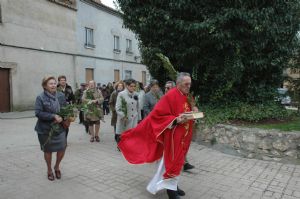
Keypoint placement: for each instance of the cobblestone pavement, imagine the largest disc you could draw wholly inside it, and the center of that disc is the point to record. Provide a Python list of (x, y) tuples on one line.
[(98, 170)]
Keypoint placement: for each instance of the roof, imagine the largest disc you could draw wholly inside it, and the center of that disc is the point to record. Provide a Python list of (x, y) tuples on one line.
[(97, 4)]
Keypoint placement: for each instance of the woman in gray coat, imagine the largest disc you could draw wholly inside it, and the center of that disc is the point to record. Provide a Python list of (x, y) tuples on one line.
[(152, 97), (47, 105), (127, 108)]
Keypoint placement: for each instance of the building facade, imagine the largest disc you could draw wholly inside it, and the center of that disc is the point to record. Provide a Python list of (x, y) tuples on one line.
[(108, 51), (54, 37)]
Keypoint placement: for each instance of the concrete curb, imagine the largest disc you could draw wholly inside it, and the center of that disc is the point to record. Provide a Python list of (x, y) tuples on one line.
[(17, 115)]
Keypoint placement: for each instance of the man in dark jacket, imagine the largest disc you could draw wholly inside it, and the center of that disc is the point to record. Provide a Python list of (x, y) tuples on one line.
[(65, 89), (106, 95)]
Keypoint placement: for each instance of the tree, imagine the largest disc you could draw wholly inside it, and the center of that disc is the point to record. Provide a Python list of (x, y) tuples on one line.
[(235, 50)]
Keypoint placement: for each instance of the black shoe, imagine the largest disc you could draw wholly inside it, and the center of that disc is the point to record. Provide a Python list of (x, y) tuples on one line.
[(187, 166), (172, 194), (180, 192)]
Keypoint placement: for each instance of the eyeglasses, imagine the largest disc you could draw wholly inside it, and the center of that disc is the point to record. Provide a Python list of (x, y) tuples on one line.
[(167, 88)]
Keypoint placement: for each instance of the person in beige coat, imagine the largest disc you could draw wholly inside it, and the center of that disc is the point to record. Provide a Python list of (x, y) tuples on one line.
[(127, 108), (93, 98)]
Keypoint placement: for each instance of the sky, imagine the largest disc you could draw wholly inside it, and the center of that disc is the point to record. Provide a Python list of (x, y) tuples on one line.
[(108, 3)]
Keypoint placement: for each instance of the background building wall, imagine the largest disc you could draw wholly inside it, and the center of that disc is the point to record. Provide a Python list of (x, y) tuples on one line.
[(35, 34), (105, 25), (44, 37)]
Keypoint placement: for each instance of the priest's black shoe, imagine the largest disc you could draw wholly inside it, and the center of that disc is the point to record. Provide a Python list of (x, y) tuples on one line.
[(187, 166), (173, 194), (180, 192)]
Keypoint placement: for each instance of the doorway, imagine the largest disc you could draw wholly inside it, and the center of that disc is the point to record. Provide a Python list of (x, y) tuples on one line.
[(4, 90)]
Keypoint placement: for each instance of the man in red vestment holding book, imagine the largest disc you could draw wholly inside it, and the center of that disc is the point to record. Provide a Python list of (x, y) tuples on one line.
[(163, 135)]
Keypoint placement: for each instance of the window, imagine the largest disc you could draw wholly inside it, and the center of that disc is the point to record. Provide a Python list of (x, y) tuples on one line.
[(128, 74), (117, 75), (89, 74), (128, 46), (89, 38), (117, 44)]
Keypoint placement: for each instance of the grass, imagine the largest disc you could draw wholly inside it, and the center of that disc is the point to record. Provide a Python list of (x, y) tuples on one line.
[(292, 125)]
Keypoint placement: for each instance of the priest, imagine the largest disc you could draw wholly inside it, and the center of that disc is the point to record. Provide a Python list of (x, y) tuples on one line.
[(164, 135)]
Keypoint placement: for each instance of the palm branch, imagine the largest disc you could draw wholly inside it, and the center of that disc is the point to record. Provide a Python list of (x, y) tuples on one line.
[(172, 73)]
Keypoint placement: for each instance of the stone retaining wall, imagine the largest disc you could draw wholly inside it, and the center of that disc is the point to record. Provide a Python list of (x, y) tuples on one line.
[(253, 142)]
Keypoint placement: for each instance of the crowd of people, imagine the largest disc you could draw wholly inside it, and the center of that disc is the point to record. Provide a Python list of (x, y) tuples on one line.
[(129, 103)]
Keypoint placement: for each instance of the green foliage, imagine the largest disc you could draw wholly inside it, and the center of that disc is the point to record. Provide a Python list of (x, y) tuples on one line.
[(90, 94), (235, 50), (244, 111), (67, 111), (154, 63), (124, 107), (172, 73), (88, 107), (55, 128)]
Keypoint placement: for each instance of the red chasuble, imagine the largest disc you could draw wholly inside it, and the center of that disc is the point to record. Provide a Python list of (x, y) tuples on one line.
[(151, 139)]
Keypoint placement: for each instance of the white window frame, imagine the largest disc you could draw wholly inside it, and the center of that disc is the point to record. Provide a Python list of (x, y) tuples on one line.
[(117, 44), (89, 38), (128, 46)]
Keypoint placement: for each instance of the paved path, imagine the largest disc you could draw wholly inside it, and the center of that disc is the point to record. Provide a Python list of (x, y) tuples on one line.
[(17, 115), (98, 170)]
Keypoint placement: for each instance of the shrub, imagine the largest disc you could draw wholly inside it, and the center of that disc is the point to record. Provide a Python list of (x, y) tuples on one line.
[(244, 112)]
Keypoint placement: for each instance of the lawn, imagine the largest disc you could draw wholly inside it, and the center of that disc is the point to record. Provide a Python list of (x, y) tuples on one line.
[(292, 125)]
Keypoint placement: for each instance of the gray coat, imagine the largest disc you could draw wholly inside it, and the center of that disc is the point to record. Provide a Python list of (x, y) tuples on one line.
[(132, 111), (46, 107), (149, 102)]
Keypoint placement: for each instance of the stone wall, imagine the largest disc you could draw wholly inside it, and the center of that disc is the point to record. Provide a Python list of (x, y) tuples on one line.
[(253, 142)]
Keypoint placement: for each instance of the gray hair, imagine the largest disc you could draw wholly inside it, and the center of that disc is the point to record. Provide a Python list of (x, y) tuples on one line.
[(180, 77), (154, 82), (170, 82)]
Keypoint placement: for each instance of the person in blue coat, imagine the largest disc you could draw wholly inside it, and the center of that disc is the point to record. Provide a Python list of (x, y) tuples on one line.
[(47, 105)]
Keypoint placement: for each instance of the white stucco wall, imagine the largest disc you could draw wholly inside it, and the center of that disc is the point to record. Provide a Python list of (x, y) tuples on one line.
[(104, 69), (43, 38), (105, 25), (38, 24), (29, 30), (32, 66)]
